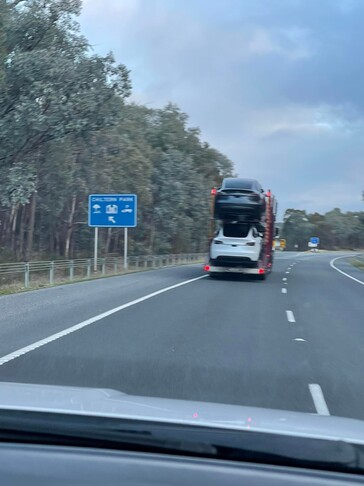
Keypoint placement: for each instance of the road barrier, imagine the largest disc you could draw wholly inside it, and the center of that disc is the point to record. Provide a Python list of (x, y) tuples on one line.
[(28, 274)]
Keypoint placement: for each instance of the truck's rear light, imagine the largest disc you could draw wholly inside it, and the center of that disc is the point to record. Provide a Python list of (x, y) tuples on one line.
[(261, 271), (206, 268), (213, 191), (250, 243), (218, 242)]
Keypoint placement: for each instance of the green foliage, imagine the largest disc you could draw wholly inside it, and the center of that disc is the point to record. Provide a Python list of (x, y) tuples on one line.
[(336, 230), (297, 229), (66, 131)]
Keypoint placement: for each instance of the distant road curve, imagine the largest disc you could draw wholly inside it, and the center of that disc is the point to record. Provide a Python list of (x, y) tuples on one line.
[(332, 264)]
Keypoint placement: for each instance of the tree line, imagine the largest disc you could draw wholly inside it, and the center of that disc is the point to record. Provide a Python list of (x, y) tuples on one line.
[(336, 229), (67, 130)]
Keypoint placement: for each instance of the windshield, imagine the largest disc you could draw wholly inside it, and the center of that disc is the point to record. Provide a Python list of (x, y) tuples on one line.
[(120, 121), (239, 184), (236, 230)]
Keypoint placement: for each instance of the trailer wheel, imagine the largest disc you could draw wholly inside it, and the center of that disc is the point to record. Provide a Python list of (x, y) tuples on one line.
[(214, 275)]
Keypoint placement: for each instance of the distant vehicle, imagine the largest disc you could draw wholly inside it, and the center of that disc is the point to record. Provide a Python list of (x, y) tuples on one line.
[(242, 199), (236, 243)]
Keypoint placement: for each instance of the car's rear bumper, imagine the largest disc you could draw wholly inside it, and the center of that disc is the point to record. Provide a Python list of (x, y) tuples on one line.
[(230, 207), (244, 270), (243, 252)]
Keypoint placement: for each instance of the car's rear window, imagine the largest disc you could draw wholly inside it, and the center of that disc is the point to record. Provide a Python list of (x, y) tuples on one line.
[(239, 184), (236, 230)]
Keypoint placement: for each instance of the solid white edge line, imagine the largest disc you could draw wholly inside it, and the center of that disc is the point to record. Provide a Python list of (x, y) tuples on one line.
[(284, 290), (344, 273), (318, 399), (290, 316), (77, 327)]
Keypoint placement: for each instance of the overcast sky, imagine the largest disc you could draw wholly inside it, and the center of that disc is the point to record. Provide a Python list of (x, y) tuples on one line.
[(276, 85)]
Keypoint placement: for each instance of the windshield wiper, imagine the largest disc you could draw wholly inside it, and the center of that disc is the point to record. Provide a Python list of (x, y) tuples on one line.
[(180, 439)]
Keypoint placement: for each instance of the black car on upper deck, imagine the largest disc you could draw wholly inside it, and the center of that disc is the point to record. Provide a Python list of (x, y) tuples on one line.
[(239, 199)]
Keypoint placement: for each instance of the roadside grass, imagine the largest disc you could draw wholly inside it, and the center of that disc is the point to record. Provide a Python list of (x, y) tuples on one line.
[(358, 262)]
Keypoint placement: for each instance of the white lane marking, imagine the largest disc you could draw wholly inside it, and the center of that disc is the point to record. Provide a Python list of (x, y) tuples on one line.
[(290, 316), (77, 327), (284, 291), (284, 279), (318, 399), (287, 271), (344, 273), (301, 340)]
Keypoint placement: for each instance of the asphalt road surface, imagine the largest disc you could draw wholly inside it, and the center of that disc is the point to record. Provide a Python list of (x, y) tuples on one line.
[(293, 342)]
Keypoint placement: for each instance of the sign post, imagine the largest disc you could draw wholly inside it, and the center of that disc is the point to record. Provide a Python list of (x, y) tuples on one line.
[(125, 248), (112, 211), (96, 244)]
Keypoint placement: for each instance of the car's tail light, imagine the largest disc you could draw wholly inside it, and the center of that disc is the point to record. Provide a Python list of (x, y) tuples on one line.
[(250, 243), (218, 242), (206, 268), (261, 271)]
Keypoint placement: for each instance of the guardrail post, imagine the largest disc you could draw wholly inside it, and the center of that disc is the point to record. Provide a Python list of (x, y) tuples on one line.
[(146, 262), (103, 266), (115, 265), (71, 269), (51, 273), (26, 275)]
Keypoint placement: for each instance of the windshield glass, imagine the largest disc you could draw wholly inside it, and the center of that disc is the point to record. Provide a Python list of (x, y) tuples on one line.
[(239, 184), (236, 230), (120, 122)]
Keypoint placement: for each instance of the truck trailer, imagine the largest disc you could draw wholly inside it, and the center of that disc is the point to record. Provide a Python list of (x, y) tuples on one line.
[(241, 244)]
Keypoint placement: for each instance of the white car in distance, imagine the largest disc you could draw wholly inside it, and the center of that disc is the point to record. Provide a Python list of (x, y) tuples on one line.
[(236, 243)]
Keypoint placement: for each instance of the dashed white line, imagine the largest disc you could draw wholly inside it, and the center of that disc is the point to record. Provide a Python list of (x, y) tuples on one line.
[(344, 273), (318, 399), (290, 316), (287, 271), (284, 278), (284, 290), (65, 332), (300, 340)]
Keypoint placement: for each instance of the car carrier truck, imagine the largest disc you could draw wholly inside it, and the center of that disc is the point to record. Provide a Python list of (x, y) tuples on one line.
[(242, 229)]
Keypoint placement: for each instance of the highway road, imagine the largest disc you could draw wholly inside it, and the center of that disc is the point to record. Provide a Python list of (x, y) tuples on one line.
[(293, 342)]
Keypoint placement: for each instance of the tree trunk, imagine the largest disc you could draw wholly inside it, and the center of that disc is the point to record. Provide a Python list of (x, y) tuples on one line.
[(108, 240), (70, 227), (15, 211), (116, 242), (29, 246), (20, 250)]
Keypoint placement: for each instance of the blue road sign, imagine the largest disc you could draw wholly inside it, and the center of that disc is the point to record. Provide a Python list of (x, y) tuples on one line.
[(112, 210), (315, 240)]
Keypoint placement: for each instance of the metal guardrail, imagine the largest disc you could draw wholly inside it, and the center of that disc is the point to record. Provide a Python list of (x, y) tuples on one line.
[(50, 272)]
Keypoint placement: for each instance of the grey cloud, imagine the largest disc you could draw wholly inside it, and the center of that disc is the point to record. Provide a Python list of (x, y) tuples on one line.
[(276, 85)]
